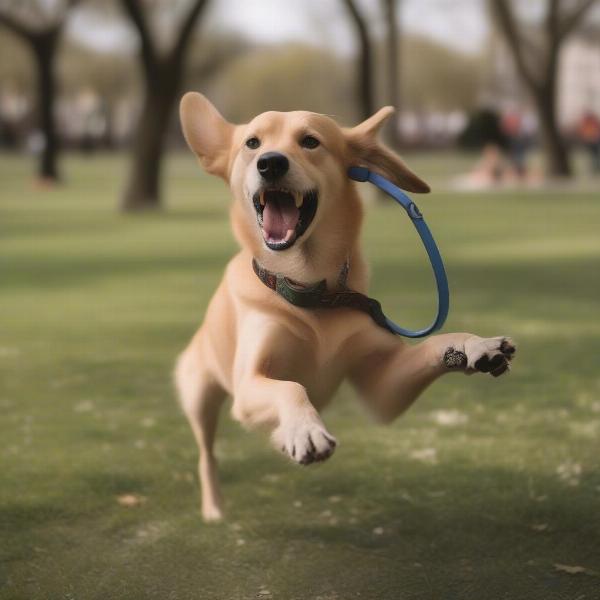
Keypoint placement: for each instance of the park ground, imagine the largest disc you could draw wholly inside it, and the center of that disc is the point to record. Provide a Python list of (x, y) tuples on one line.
[(485, 489)]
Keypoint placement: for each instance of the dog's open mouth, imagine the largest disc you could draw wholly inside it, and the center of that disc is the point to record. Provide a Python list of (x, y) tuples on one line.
[(284, 215)]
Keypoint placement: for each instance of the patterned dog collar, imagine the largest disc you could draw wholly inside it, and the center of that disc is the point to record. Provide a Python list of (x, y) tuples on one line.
[(315, 296)]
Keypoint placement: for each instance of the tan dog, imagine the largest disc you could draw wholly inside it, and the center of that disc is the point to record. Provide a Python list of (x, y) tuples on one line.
[(297, 213)]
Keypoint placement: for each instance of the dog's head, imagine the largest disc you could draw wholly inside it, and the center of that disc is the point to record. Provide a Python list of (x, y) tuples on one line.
[(288, 170)]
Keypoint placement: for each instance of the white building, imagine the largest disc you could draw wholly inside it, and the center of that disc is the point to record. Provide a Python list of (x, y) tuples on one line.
[(579, 76)]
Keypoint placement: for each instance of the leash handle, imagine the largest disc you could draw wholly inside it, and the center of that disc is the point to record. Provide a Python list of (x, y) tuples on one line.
[(362, 174)]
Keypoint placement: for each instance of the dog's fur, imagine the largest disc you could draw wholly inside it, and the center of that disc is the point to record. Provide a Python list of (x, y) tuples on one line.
[(281, 364)]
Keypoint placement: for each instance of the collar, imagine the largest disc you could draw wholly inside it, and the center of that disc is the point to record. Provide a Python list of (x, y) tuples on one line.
[(316, 295)]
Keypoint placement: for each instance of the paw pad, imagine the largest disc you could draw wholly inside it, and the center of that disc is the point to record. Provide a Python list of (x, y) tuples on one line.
[(455, 359)]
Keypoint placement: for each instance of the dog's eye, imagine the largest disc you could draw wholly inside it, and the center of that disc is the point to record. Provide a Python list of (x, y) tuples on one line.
[(253, 143), (310, 142)]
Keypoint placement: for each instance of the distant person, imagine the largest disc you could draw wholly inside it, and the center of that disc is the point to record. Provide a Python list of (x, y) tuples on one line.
[(517, 146), (484, 133), (588, 132)]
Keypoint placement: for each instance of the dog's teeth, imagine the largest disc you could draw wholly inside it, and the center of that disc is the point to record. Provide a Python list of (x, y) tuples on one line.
[(299, 199), (262, 198)]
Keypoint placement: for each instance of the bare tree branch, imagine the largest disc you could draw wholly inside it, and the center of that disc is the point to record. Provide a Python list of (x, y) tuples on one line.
[(187, 28), (16, 27), (27, 31), (571, 21), (552, 18), (393, 42), (507, 22), (148, 50), (365, 82)]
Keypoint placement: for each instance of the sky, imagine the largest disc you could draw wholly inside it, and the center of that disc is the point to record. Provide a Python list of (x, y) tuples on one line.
[(458, 23)]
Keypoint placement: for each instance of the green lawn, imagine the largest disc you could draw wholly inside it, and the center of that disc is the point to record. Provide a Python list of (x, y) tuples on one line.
[(476, 493)]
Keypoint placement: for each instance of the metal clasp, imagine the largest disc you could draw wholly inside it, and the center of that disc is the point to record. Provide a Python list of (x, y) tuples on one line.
[(413, 211)]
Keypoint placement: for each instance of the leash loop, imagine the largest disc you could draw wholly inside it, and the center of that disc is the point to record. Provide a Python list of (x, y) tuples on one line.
[(362, 174)]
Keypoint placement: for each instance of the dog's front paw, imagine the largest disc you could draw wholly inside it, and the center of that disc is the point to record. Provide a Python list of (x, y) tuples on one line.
[(304, 439), (488, 355)]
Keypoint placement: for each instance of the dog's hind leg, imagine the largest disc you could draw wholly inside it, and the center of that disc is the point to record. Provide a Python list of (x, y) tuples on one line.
[(201, 399)]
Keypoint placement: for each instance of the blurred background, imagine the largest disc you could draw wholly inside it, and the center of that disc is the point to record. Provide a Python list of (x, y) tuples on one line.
[(112, 241), (505, 79)]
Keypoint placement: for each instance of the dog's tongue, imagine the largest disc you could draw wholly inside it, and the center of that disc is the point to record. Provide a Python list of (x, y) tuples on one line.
[(280, 216)]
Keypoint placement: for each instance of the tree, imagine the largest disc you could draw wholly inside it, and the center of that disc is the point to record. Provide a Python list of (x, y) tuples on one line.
[(275, 77), (537, 66), (392, 43), (364, 82), (437, 77), (162, 74), (41, 32)]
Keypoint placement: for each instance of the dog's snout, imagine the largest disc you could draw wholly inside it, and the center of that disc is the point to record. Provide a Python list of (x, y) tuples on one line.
[(272, 165)]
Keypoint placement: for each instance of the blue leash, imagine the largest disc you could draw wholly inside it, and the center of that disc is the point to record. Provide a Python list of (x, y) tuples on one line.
[(362, 174)]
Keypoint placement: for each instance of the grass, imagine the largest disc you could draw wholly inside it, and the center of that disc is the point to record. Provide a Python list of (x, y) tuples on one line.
[(476, 493)]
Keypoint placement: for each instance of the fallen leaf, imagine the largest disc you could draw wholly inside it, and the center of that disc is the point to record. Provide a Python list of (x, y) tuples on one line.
[(569, 472), (129, 500), (449, 418), (427, 455), (570, 569)]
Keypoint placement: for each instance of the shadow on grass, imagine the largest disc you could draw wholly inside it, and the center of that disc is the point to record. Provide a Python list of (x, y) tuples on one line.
[(552, 282), (358, 529), (486, 537), (29, 273), (549, 282)]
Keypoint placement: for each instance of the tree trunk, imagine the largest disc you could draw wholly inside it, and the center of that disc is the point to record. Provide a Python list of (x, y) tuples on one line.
[(364, 81), (559, 22), (545, 96), (558, 163), (143, 187), (393, 67), (162, 77), (44, 50)]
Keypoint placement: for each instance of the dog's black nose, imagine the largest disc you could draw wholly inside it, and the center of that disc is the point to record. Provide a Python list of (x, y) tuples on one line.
[(272, 165)]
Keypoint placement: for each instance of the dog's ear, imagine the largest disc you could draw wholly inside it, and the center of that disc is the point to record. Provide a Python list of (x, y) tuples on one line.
[(367, 151), (207, 133)]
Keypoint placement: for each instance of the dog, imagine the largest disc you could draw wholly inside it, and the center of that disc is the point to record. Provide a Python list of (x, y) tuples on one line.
[(296, 214)]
